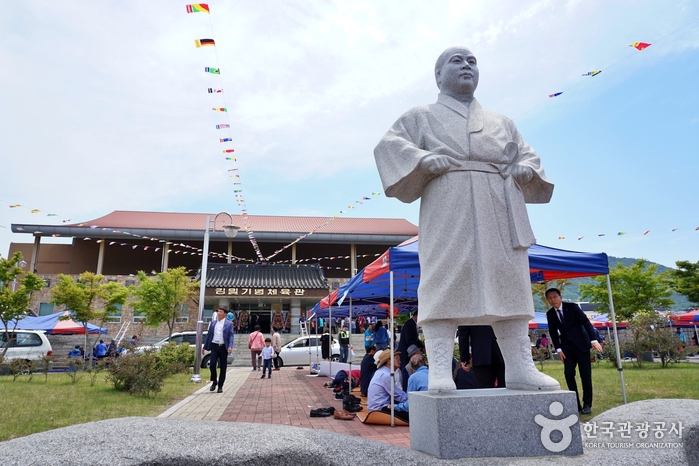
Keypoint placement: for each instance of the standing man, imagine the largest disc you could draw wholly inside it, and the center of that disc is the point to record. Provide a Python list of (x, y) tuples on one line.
[(487, 363), (409, 336), (344, 338), (572, 335), (473, 174), (277, 346), (219, 340)]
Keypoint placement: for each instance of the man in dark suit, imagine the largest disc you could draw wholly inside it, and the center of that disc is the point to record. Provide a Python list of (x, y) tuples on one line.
[(572, 335), (488, 365), (219, 340), (409, 336)]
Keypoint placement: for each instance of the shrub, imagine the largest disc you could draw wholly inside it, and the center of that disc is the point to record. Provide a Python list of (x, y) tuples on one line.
[(175, 358), (22, 367), (138, 374), (45, 365)]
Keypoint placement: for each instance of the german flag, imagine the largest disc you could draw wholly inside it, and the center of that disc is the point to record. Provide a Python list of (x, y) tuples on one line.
[(198, 8), (204, 43)]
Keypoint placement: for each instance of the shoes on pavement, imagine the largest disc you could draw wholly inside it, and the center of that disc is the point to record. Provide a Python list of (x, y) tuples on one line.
[(220, 390), (213, 387), (344, 415), (320, 412), (263, 376), (269, 376), (352, 408)]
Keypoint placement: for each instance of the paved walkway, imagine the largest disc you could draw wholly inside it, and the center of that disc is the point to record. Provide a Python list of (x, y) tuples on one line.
[(286, 399)]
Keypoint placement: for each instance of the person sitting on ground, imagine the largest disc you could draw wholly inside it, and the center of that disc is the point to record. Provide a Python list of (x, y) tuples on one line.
[(408, 369), (340, 382), (112, 349), (133, 341), (368, 368), (75, 352), (417, 382), (379, 392), (100, 350)]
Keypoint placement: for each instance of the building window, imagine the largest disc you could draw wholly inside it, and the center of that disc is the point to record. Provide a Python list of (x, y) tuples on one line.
[(47, 282), (138, 318), (183, 317), (45, 309), (115, 316), (208, 312)]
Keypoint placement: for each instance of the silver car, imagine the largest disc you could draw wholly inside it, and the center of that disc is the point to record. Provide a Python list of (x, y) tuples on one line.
[(185, 337), (305, 350)]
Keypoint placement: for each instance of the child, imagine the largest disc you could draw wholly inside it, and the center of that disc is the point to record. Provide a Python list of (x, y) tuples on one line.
[(267, 355)]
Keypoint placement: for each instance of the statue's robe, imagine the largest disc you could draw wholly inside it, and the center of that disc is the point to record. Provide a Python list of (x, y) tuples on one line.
[(474, 229)]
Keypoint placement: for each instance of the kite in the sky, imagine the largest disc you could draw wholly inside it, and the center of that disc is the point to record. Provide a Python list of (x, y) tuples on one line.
[(646, 232), (222, 126), (228, 151), (52, 215), (225, 140), (35, 211), (231, 158), (204, 43), (621, 233), (212, 70), (14, 206), (198, 8), (640, 45), (592, 73), (555, 94), (219, 109), (215, 91), (561, 237)]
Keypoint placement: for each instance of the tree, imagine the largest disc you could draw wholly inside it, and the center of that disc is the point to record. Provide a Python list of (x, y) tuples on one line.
[(685, 280), (15, 294), (539, 289), (634, 289), (89, 298), (163, 297)]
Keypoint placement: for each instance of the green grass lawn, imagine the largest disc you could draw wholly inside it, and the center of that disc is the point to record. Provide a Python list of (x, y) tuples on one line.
[(652, 381), (36, 405)]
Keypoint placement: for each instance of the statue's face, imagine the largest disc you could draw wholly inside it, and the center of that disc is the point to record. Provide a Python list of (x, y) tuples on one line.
[(459, 73)]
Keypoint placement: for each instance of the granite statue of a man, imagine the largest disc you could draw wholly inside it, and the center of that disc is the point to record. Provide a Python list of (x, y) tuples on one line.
[(474, 173)]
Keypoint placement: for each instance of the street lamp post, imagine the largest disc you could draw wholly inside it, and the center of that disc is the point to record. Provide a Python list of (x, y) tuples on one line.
[(230, 231), (21, 265)]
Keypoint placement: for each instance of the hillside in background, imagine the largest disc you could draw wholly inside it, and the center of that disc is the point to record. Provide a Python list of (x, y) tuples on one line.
[(571, 293)]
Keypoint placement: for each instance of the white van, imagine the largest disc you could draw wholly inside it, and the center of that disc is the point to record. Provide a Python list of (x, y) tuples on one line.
[(25, 344)]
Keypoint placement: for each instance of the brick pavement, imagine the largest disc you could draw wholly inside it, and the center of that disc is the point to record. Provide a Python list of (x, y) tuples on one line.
[(286, 399)]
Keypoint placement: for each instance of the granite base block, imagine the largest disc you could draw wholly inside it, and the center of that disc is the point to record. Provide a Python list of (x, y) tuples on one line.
[(494, 422)]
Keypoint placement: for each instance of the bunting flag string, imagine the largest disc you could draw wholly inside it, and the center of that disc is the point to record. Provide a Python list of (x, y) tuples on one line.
[(638, 46)]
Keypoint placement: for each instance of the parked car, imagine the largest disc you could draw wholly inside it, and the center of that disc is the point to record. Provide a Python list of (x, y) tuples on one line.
[(25, 344), (185, 337), (304, 350)]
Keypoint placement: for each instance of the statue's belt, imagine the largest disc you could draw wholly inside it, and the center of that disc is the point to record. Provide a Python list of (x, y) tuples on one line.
[(520, 230)]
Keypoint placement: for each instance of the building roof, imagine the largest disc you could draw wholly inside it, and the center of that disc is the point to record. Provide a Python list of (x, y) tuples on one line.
[(183, 226), (266, 276)]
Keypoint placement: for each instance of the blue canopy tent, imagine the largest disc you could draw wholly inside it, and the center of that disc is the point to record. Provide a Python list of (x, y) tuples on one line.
[(60, 323), (394, 277)]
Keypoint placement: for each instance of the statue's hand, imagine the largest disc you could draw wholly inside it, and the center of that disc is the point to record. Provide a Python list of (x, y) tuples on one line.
[(522, 174), (437, 164)]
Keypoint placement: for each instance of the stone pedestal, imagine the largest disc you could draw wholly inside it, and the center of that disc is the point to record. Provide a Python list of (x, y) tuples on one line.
[(494, 422)]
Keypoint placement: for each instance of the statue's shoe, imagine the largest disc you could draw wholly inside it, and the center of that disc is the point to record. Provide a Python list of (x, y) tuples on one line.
[(530, 379), (440, 383)]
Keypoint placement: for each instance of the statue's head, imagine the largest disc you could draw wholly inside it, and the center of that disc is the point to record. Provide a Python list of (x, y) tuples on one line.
[(456, 72)]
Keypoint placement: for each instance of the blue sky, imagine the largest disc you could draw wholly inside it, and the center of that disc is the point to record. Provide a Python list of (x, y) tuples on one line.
[(105, 108)]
